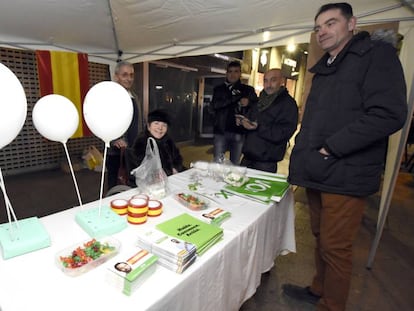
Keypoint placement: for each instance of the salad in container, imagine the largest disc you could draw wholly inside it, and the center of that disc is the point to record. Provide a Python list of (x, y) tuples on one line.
[(83, 257), (192, 201)]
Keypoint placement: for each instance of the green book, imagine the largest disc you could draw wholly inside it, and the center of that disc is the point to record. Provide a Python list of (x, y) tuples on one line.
[(192, 230), (207, 246), (129, 273), (261, 187)]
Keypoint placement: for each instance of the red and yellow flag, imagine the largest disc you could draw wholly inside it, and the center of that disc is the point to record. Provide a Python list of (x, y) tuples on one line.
[(66, 74)]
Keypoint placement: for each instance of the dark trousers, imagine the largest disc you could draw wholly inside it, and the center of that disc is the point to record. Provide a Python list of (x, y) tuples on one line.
[(335, 221), (228, 141), (112, 167), (263, 166)]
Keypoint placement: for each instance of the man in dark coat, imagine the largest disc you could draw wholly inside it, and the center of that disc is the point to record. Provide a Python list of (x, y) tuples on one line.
[(228, 136), (124, 75), (277, 120), (357, 99)]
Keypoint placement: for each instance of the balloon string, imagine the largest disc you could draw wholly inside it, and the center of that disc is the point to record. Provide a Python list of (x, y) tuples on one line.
[(9, 207), (73, 174), (102, 177)]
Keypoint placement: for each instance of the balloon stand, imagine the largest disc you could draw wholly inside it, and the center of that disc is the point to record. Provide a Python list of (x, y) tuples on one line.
[(99, 223), (27, 236)]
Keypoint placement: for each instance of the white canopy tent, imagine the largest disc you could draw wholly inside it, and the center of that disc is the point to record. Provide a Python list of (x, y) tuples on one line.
[(157, 29), (139, 31)]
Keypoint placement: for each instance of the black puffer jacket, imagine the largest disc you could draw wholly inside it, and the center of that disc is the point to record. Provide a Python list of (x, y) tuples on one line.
[(224, 103), (276, 125), (353, 106)]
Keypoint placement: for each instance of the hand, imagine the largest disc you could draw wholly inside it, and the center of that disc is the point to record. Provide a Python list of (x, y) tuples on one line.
[(120, 143), (324, 152), (239, 118), (245, 122)]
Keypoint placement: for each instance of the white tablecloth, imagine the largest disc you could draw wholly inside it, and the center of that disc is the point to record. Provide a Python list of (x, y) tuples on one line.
[(221, 279)]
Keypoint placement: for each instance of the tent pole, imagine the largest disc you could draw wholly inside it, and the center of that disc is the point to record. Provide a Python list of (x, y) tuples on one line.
[(118, 51), (386, 205), (386, 201)]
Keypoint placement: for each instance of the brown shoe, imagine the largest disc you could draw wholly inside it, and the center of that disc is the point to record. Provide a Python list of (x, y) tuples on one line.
[(300, 293)]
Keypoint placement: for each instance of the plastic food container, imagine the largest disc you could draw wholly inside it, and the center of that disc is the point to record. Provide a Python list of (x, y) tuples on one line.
[(140, 196), (108, 247), (120, 206), (137, 211), (192, 201), (236, 176), (154, 208)]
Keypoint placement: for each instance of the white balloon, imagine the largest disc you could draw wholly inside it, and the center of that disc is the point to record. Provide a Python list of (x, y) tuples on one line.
[(55, 117), (108, 110), (13, 106)]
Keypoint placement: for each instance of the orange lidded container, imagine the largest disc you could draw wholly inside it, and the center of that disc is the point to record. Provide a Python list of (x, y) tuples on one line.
[(154, 208), (119, 206), (141, 196), (137, 211)]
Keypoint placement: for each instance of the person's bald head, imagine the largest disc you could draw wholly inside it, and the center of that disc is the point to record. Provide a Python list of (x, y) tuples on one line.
[(273, 80)]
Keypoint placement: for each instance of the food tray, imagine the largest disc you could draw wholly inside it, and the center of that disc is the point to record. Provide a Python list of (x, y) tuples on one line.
[(192, 201), (109, 247)]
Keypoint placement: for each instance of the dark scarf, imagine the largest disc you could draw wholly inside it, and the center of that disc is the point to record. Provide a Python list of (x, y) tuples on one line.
[(266, 100)]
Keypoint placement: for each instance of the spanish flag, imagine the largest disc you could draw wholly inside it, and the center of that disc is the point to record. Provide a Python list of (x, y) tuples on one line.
[(66, 74)]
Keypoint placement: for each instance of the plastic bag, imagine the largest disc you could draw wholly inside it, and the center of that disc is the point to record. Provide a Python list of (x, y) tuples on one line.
[(93, 158), (150, 176)]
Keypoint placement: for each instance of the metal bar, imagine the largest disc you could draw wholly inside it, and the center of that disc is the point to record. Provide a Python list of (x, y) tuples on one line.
[(388, 196), (118, 50)]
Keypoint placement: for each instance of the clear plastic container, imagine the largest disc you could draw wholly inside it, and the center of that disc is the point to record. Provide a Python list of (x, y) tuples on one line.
[(236, 176), (109, 247), (192, 201)]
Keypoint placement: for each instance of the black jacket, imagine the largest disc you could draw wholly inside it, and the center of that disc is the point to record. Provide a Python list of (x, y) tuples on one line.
[(353, 106), (225, 103), (169, 154), (276, 125)]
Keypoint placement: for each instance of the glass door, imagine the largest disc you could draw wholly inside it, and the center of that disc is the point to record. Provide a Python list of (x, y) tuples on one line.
[(206, 87)]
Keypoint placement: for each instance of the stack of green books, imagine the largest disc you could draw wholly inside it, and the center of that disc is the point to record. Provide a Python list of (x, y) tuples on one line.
[(174, 254), (262, 187), (192, 230)]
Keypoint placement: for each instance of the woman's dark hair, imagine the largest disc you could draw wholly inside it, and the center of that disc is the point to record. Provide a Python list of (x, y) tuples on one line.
[(344, 7), (159, 115)]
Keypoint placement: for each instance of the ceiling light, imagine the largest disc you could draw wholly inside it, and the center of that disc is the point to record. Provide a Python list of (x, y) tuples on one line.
[(221, 56), (218, 70), (291, 47), (266, 36)]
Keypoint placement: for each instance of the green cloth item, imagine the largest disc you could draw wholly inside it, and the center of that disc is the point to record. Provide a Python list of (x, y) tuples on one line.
[(262, 188)]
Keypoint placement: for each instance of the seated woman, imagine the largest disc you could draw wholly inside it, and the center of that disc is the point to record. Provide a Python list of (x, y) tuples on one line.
[(157, 127)]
